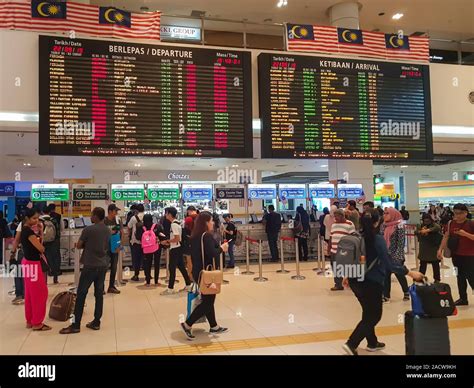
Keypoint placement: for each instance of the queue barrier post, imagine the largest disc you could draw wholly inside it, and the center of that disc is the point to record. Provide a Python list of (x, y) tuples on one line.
[(322, 263), (298, 276), (221, 266), (120, 281), (318, 254), (77, 269), (283, 270), (247, 254), (260, 277)]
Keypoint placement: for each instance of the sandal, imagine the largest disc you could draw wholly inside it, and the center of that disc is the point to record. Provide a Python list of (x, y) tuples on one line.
[(42, 328)]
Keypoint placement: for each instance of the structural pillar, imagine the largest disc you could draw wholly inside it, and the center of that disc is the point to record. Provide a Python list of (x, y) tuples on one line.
[(344, 14), (412, 196)]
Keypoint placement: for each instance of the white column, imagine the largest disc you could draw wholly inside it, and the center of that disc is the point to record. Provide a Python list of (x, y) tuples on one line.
[(345, 14), (354, 171), (412, 196)]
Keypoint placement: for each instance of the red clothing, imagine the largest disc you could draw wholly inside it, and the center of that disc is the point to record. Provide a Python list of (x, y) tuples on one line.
[(189, 222), (36, 292), (465, 246)]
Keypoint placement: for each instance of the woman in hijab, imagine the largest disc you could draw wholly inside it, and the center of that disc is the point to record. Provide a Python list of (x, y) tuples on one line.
[(394, 236)]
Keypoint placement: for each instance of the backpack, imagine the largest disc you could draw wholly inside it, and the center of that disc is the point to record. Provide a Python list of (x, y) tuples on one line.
[(432, 300), (347, 260), (62, 306), (138, 228), (185, 239), (149, 240), (49, 232)]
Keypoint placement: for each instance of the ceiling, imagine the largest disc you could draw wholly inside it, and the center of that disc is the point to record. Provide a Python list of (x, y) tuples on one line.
[(453, 19)]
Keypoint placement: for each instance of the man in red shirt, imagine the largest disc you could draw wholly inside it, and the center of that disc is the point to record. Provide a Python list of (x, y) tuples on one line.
[(460, 232)]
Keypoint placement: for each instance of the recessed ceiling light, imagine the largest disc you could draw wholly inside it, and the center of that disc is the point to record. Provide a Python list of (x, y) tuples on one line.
[(397, 16), (235, 165), (324, 165), (404, 166), (27, 164), (138, 165)]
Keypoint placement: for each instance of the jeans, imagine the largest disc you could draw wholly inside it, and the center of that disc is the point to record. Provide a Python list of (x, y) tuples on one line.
[(113, 268), (388, 284), (53, 254), (337, 280), (465, 273), (436, 271), (89, 276), (205, 308), (303, 248), (231, 254), (137, 258), (369, 295), (177, 261), (148, 261), (273, 245)]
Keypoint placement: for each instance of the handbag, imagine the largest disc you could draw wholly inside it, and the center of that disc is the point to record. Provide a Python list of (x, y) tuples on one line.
[(62, 306), (432, 300), (194, 300), (210, 279)]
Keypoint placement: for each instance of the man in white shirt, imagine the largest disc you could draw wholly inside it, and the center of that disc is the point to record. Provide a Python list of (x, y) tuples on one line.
[(341, 227), (176, 254), (135, 244)]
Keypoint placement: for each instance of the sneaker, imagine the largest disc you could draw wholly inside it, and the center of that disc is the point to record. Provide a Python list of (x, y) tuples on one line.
[(18, 300), (406, 297), (113, 290), (385, 300), (93, 325), (378, 346), (187, 332), (350, 350), (461, 302), (135, 279), (70, 330), (168, 291), (335, 288), (219, 330)]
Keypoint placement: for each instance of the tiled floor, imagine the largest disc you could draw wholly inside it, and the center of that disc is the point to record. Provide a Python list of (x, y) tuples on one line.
[(278, 317)]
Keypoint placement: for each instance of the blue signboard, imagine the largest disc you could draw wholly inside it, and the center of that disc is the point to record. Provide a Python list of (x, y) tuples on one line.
[(7, 189), (197, 193), (262, 193), (350, 192), (323, 192), (292, 192)]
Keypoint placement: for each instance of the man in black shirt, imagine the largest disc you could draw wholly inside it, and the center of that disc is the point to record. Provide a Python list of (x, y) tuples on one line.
[(230, 235), (272, 221)]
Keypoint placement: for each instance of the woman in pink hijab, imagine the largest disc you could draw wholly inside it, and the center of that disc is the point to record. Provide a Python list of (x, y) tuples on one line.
[(394, 235)]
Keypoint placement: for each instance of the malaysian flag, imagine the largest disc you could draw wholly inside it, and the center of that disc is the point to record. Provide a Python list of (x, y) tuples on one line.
[(92, 20), (334, 40)]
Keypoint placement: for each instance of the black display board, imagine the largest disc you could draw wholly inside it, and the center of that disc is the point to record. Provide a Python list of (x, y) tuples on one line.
[(315, 107), (107, 98)]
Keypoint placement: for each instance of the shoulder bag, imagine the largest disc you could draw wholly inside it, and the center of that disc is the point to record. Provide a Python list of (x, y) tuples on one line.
[(210, 279)]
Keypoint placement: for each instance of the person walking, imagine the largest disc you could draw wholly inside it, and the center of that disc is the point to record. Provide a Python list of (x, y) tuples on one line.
[(341, 227), (135, 244), (429, 238), (203, 241), (34, 266), (151, 259), (459, 238), (272, 222), (394, 235), (115, 225), (302, 218), (176, 254), (94, 241), (369, 289), (230, 234)]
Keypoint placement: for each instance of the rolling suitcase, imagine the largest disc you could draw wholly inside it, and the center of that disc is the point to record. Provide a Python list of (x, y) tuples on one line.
[(426, 336)]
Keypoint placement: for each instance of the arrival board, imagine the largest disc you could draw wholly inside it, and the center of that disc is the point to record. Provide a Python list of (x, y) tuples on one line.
[(314, 107), (112, 98)]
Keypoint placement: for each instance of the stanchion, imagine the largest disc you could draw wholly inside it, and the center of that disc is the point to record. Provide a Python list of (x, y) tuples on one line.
[(416, 251), (322, 268), (167, 258), (247, 252), (222, 268), (77, 270), (260, 277), (318, 254), (298, 276), (120, 280), (283, 270), (417, 261)]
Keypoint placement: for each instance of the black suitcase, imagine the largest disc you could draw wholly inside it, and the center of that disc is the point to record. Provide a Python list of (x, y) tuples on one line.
[(426, 336)]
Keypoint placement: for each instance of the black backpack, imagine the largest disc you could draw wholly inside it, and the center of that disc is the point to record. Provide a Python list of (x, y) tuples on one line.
[(138, 228)]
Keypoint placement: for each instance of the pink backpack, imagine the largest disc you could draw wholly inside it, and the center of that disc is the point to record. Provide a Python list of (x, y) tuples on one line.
[(149, 241)]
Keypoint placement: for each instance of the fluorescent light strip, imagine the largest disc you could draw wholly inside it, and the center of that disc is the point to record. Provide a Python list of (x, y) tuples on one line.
[(17, 116)]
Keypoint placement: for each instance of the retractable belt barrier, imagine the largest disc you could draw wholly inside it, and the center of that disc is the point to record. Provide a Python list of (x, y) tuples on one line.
[(321, 268), (298, 276), (77, 269), (120, 280), (222, 268), (248, 241), (283, 270), (260, 277)]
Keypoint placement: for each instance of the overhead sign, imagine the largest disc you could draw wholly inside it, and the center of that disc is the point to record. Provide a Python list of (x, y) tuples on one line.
[(295, 191), (7, 189), (230, 193), (128, 192), (179, 33), (259, 191), (89, 192), (163, 192), (350, 190), (50, 192), (322, 190), (197, 192)]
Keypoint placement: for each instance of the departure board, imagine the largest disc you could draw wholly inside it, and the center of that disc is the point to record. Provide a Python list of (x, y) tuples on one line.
[(113, 98), (314, 107)]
